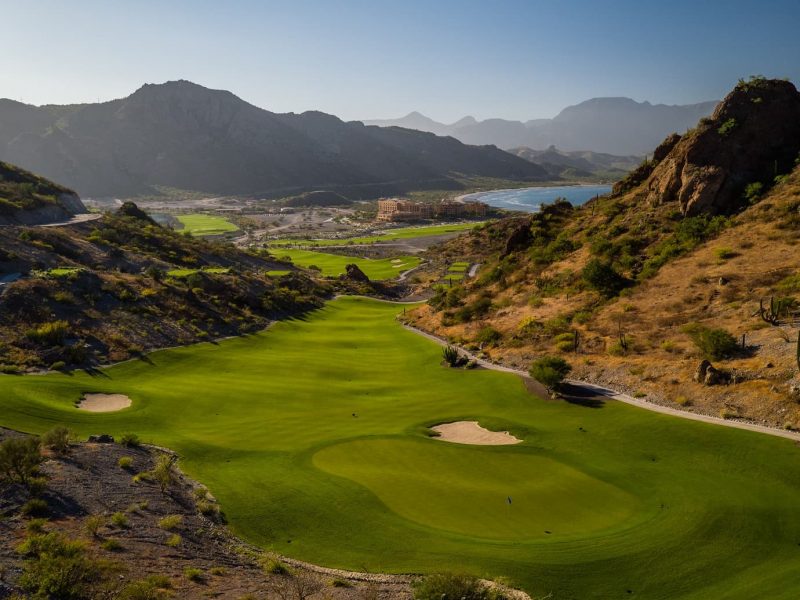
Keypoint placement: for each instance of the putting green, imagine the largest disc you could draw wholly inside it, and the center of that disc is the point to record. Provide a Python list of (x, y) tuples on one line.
[(312, 435), (497, 495), (333, 265)]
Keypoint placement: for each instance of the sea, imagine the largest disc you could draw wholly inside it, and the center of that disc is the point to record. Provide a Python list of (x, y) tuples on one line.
[(531, 199)]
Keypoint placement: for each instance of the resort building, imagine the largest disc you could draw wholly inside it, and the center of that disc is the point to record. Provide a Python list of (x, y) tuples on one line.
[(405, 210)]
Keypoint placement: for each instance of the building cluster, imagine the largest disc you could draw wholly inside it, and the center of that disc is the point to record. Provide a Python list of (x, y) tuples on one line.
[(406, 210)]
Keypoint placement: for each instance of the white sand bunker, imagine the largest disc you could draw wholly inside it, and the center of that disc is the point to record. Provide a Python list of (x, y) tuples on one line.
[(104, 402), (469, 432)]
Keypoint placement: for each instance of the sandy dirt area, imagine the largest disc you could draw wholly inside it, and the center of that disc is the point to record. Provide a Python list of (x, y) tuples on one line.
[(104, 402), (469, 432)]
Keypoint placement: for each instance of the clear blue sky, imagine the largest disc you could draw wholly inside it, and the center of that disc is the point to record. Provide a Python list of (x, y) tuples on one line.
[(370, 59)]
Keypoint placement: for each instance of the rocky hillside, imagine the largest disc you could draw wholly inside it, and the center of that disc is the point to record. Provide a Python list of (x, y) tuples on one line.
[(26, 198), (637, 289), (115, 287), (181, 135)]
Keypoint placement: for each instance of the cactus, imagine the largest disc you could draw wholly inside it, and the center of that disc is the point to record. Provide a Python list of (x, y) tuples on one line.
[(769, 315), (623, 342), (744, 341), (577, 341)]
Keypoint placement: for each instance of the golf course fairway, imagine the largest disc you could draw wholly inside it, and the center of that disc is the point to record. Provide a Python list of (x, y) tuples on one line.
[(313, 437), (333, 265)]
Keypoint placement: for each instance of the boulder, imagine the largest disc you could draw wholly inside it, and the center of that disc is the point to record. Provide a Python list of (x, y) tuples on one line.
[(707, 374)]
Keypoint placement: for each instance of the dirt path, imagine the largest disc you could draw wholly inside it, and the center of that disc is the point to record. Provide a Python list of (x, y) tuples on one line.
[(591, 390)]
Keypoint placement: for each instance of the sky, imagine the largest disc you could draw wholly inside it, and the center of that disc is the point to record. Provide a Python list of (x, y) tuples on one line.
[(383, 59)]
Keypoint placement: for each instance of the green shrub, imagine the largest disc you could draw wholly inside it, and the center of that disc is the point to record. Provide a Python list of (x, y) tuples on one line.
[(35, 525), (218, 571), (111, 545), (488, 335), (170, 522), (713, 343), (119, 519), (273, 566), (193, 574), (35, 507), (59, 568), (93, 523), (125, 462), (19, 459), (550, 371), (59, 365), (602, 277), (49, 333), (163, 472), (725, 253), (131, 440), (727, 127), (752, 192), (174, 540), (57, 439), (449, 586)]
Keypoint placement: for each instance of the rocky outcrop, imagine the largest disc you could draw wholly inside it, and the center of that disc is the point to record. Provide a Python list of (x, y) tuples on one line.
[(129, 209), (707, 374), (752, 137), (354, 273)]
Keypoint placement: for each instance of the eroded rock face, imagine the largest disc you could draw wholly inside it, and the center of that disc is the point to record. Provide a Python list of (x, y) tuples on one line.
[(753, 135), (354, 273)]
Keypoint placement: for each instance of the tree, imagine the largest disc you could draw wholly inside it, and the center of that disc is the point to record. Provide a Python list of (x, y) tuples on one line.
[(550, 371), (19, 459), (602, 276), (449, 586)]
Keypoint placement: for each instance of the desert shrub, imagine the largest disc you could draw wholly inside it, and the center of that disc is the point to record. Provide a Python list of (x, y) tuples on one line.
[(170, 522), (174, 540), (111, 545), (448, 586), (218, 571), (19, 459), (602, 277), (683, 401), (35, 525), (57, 439), (163, 472), (752, 192), (35, 507), (93, 523), (119, 519), (273, 566), (725, 253), (550, 371), (727, 127), (58, 365), (209, 509), (151, 588), (713, 343), (488, 335), (341, 583), (131, 440), (125, 462), (52, 333), (59, 568), (193, 574)]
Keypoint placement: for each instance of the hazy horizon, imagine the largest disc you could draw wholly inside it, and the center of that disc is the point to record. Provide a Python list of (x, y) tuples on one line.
[(361, 61)]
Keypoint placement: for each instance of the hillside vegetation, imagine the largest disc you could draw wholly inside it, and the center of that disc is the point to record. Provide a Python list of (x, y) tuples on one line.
[(637, 288)]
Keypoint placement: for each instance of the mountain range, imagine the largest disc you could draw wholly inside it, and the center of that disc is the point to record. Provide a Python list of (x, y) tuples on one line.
[(185, 136), (618, 126)]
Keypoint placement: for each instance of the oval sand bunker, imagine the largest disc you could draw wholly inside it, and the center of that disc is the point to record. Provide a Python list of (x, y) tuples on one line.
[(469, 432), (104, 402)]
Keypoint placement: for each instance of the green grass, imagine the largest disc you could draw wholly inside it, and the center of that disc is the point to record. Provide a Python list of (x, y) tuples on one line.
[(390, 235), (200, 224), (604, 500), (278, 273), (333, 265), (58, 272)]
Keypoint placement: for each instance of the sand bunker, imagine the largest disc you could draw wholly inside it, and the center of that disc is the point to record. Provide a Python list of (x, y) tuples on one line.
[(469, 432), (104, 402)]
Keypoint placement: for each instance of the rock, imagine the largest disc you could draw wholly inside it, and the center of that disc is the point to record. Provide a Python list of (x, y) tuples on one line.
[(700, 372), (794, 390), (353, 273), (753, 135), (103, 438), (723, 281), (707, 374), (129, 209)]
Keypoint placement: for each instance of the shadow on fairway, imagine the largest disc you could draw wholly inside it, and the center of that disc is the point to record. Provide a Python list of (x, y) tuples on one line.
[(575, 394)]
